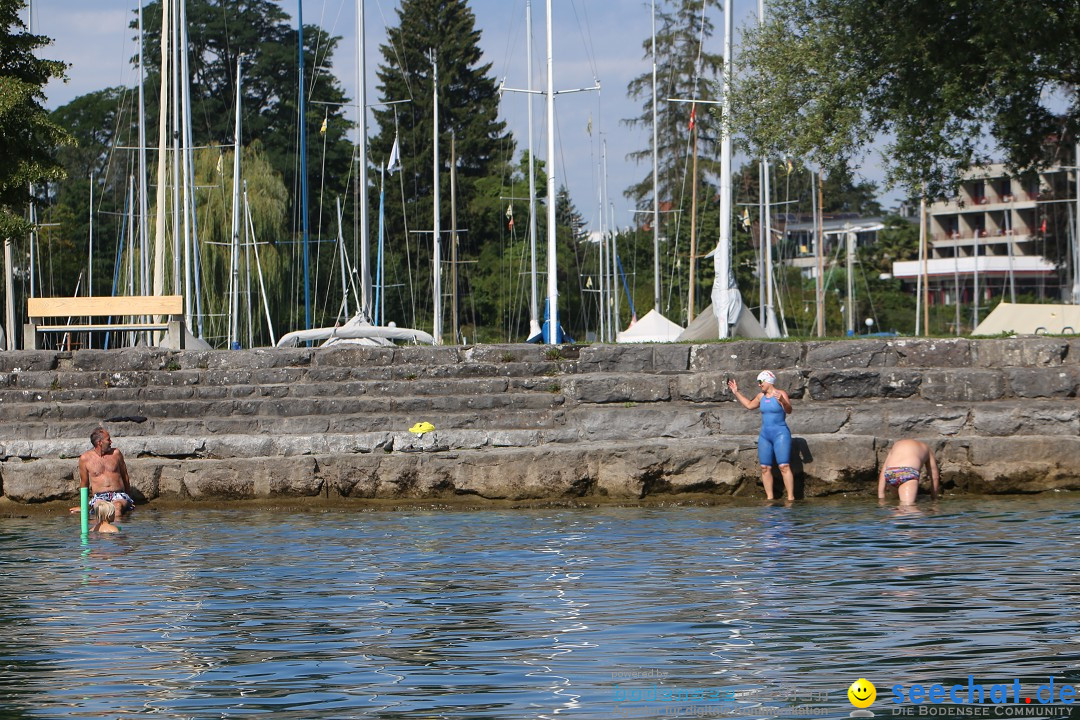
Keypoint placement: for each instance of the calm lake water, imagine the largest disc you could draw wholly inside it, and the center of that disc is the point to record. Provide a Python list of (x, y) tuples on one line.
[(762, 611)]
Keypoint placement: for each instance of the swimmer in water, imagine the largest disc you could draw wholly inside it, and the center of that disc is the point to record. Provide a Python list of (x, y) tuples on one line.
[(106, 513), (903, 467)]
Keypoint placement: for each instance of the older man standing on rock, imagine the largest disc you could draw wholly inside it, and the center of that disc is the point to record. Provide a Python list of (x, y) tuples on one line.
[(103, 470)]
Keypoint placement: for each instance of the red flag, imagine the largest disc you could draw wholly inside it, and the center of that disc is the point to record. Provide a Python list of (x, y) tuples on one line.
[(1042, 229), (693, 114)]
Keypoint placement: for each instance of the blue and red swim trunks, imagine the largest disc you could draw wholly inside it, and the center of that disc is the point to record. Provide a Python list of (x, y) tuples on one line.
[(897, 476)]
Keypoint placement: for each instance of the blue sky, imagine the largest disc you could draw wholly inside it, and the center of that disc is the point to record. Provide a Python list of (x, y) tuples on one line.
[(599, 39)]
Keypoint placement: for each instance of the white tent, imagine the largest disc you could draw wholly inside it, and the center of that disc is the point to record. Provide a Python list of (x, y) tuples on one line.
[(706, 327), (654, 327), (1031, 319)]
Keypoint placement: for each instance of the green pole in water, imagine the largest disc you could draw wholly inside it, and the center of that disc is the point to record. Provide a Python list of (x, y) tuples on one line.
[(84, 510)]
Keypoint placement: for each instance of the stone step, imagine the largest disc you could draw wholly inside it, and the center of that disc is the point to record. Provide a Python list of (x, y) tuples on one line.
[(948, 386), (613, 421), (277, 407), (490, 420), (824, 464), (742, 355), (74, 379), (592, 423), (224, 446), (354, 388)]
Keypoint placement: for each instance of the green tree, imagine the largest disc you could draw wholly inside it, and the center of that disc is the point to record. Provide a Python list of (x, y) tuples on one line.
[(898, 240), (98, 122), (468, 112), (842, 193), (28, 136), (268, 202), (684, 70), (828, 77), (219, 31)]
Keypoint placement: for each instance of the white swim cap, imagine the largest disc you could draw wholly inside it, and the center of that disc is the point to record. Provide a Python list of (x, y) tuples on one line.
[(766, 376)]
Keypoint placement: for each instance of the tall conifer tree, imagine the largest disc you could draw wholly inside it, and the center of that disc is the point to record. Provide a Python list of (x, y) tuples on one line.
[(468, 109)]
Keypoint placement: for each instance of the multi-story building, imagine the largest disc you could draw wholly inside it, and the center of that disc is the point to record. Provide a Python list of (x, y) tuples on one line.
[(994, 238)]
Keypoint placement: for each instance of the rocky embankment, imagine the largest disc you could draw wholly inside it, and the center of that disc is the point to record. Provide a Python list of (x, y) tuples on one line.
[(527, 423)]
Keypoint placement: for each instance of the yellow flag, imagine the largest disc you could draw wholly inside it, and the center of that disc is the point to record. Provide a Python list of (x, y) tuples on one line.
[(746, 218), (323, 128)]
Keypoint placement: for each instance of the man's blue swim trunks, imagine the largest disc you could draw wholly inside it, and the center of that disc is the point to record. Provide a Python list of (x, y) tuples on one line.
[(112, 496)]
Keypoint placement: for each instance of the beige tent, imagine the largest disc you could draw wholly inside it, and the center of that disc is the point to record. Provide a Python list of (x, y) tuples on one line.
[(1031, 319), (706, 327), (654, 327)]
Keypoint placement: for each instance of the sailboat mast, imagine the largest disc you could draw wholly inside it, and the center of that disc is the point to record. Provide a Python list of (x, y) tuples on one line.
[(922, 266), (189, 175), (534, 321), (771, 328), (975, 286), (361, 171), (693, 219), (258, 266), (380, 285), (849, 238), (436, 245), (453, 240), (612, 307), (303, 169), (234, 261), (552, 265), (769, 312), (90, 246), (655, 174), (723, 253), (144, 220), (819, 248), (9, 296), (163, 128), (341, 249), (176, 233), (33, 240), (1076, 235)]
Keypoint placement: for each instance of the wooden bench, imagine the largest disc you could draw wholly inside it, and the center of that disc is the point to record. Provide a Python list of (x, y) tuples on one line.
[(124, 313)]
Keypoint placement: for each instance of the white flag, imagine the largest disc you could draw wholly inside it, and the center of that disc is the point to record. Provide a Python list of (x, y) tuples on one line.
[(394, 163)]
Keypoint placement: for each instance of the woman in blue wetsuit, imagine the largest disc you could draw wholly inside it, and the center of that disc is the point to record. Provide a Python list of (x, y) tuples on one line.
[(774, 441)]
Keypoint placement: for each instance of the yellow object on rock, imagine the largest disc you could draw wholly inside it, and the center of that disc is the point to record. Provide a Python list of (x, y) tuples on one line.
[(421, 427)]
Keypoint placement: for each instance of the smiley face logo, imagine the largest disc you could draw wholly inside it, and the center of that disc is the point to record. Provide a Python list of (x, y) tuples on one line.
[(862, 693)]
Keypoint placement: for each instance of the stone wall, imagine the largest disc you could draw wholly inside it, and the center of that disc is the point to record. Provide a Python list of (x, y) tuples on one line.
[(528, 423)]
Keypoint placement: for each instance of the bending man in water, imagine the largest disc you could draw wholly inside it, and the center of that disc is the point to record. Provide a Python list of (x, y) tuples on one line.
[(103, 470), (774, 441), (903, 468)]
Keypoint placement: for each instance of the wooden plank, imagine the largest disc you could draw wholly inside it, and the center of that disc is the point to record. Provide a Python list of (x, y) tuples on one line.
[(120, 327), (103, 306)]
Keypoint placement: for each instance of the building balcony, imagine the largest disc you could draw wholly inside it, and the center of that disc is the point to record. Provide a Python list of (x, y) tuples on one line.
[(1023, 265)]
